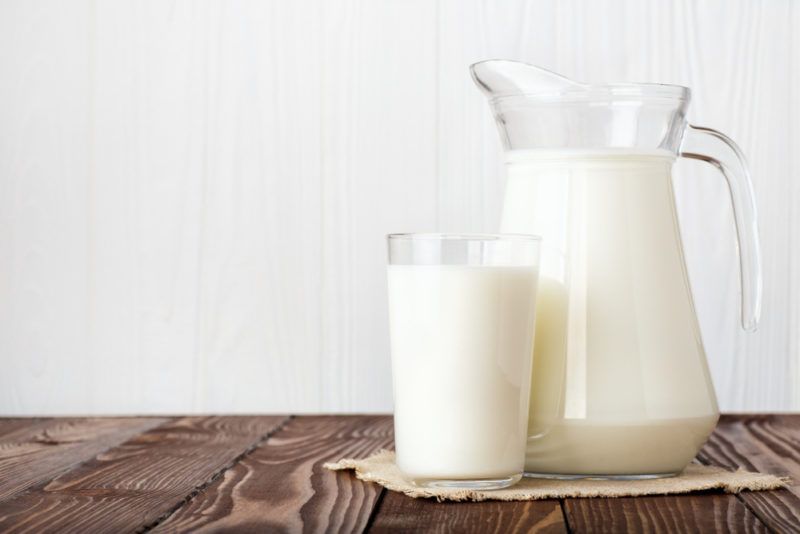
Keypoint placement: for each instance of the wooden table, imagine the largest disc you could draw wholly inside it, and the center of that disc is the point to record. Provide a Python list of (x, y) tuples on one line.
[(264, 474)]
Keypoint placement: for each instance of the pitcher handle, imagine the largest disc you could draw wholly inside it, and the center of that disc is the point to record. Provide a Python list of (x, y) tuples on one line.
[(720, 151)]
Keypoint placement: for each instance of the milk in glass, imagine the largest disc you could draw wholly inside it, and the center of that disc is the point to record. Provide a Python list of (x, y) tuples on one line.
[(461, 339)]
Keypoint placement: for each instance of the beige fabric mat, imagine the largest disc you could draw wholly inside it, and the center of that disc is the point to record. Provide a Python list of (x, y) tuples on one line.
[(380, 468)]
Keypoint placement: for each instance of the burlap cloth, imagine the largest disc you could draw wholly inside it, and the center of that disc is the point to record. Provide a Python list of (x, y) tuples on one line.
[(380, 468)]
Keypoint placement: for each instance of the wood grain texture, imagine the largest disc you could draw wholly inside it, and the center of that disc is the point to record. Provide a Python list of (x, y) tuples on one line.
[(264, 474), (282, 487), (11, 426), (193, 195), (398, 513), (134, 484), (32, 455), (765, 443), (667, 514)]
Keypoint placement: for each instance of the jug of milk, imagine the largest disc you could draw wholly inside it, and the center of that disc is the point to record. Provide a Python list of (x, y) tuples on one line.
[(620, 386)]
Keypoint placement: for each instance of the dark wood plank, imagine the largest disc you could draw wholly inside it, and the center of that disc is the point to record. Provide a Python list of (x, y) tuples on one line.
[(33, 454), (282, 486), (768, 444), (676, 513), (398, 513), (10, 425), (134, 484), (765, 443)]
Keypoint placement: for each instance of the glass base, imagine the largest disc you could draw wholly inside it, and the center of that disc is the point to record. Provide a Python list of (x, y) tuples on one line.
[(558, 476), (473, 484)]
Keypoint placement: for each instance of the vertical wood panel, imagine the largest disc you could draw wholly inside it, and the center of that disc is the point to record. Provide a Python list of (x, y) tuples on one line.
[(44, 162), (193, 195), (260, 254), (378, 177), (792, 292)]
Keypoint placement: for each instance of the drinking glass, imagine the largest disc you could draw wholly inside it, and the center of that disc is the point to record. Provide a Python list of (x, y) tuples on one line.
[(461, 312)]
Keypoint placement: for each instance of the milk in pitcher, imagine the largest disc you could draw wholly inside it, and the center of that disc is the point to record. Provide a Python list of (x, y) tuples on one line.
[(620, 382)]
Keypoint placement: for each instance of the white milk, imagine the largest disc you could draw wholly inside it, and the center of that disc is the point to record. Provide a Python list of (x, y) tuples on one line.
[(461, 339), (620, 381)]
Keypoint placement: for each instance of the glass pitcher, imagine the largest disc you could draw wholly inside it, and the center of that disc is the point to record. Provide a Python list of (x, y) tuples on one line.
[(621, 387)]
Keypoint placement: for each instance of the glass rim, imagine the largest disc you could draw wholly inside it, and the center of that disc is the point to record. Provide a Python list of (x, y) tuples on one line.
[(449, 236)]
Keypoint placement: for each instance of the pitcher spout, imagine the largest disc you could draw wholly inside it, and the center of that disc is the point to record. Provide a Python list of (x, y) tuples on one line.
[(503, 77), (535, 108)]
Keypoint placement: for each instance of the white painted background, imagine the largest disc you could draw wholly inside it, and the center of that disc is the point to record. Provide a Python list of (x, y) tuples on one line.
[(193, 195)]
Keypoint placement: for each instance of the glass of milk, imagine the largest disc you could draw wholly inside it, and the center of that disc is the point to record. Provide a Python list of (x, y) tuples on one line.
[(461, 312)]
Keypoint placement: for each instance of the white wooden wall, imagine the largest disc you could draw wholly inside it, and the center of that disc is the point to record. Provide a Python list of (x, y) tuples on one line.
[(193, 195)]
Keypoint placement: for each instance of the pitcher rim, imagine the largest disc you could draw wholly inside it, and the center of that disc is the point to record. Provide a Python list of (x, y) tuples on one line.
[(589, 91), (607, 92)]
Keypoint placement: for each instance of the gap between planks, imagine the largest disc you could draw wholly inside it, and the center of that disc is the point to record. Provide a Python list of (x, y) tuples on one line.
[(375, 510), (220, 472), (563, 505)]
